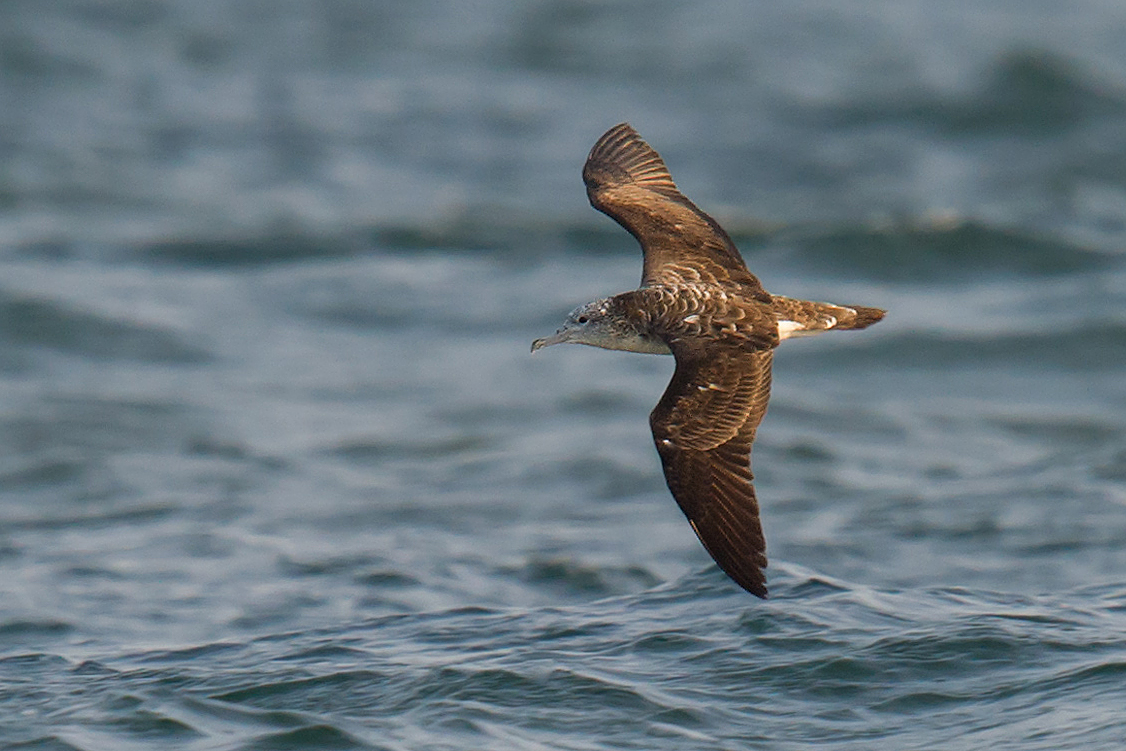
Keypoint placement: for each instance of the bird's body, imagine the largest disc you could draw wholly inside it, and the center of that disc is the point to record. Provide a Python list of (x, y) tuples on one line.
[(698, 302)]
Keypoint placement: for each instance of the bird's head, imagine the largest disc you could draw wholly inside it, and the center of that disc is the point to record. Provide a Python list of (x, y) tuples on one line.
[(587, 324), (601, 324)]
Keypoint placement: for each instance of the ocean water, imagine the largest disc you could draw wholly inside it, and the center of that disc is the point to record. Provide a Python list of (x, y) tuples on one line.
[(277, 470)]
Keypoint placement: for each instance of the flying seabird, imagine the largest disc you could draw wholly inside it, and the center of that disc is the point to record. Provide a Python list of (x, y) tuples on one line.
[(698, 302)]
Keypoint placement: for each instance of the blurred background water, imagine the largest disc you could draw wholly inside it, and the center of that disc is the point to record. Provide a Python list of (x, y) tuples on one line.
[(277, 470)]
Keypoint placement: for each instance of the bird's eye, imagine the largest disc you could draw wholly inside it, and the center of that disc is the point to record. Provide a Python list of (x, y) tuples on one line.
[(582, 319)]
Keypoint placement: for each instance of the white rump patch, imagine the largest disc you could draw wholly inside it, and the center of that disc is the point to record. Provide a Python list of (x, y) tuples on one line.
[(786, 329)]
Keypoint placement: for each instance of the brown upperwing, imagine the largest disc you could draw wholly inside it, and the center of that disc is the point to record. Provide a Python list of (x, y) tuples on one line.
[(627, 180), (703, 427)]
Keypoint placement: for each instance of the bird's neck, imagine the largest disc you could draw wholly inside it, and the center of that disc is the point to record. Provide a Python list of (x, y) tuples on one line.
[(634, 332)]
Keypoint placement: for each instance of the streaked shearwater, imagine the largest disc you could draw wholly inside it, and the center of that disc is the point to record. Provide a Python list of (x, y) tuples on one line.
[(697, 302)]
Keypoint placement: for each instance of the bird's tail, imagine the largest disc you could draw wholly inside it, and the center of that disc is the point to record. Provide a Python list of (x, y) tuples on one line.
[(805, 318), (860, 318)]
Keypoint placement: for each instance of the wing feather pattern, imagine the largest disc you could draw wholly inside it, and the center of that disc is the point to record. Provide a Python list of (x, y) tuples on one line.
[(628, 181), (704, 426)]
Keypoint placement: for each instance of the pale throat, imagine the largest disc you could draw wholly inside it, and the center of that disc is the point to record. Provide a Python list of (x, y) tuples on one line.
[(624, 337), (634, 342)]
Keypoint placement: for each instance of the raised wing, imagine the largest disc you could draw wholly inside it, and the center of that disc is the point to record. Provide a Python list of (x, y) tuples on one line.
[(703, 427), (627, 180)]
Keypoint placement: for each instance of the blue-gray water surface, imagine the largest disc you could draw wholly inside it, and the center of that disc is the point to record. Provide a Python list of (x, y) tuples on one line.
[(277, 470)]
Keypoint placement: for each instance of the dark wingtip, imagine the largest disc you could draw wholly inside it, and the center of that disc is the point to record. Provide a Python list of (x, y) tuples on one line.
[(622, 156), (755, 587), (621, 137), (759, 592)]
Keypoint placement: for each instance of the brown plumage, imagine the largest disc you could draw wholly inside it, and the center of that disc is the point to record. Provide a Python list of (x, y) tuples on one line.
[(699, 302)]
